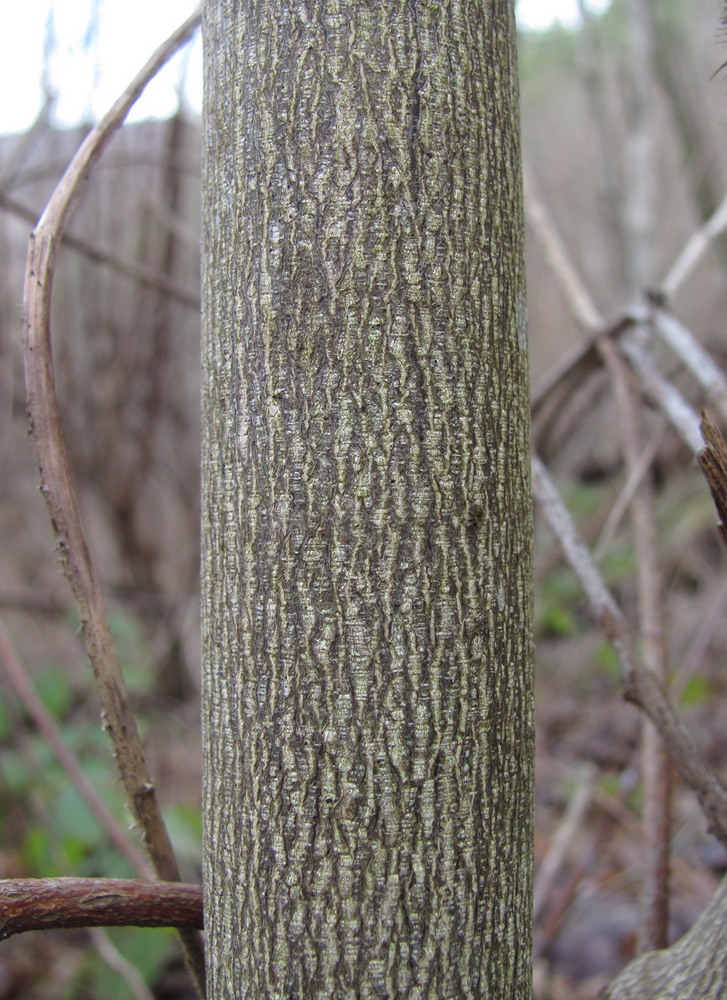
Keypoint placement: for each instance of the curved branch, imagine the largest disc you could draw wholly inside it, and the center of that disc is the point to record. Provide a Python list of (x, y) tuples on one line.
[(57, 485)]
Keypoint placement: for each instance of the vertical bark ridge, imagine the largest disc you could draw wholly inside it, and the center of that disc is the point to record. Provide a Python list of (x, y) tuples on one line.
[(366, 601)]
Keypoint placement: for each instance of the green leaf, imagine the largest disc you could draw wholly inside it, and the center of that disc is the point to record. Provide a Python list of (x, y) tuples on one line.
[(557, 621), (14, 773), (185, 829), (55, 690), (5, 727), (697, 691), (37, 851), (147, 949), (608, 661)]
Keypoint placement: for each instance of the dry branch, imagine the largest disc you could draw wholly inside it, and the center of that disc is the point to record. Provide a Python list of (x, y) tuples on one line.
[(57, 486), (662, 392), (146, 276), (579, 299), (655, 767), (562, 844), (30, 904), (713, 463), (695, 249), (653, 384), (641, 686), (694, 357), (697, 965)]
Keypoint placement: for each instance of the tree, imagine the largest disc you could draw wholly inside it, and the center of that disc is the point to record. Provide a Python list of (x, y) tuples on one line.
[(366, 569)]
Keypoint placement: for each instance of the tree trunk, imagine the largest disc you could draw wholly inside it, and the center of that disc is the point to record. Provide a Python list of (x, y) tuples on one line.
[(366, 504)]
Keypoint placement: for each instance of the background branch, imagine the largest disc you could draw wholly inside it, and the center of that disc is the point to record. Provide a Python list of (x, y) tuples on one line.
[(641, 686), (143, 275), (24, 691)]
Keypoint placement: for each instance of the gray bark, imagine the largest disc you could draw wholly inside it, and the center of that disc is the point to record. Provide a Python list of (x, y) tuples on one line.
[(366, 503), (695, 968)]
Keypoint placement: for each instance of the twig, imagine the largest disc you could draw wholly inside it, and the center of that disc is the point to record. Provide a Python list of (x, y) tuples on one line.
[(56, 484), (111, 955), (603, 606), (145, 276), (640, 686), (581, 303), (33, 904), (652, 382), (24, 691), (634, 479), (581, 359), (693, 356), (666, 396), (657, 824), (655, 768), (557, 388), (570, 827), (694, 250)]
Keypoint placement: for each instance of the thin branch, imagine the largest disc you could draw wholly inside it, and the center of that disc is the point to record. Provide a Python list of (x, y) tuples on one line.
[(20, 683), (581, 359), (37, 904), (663, 393), (693, 356), (603, 607), (633, 480), (57, 486), (655, 767), (145, 276), (640, 686), (694, 250), (562, 843), (657, 824), (581, 303), (111, 955), (653, 384)]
